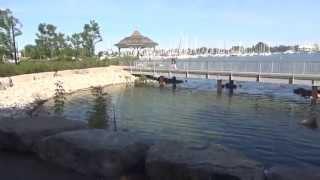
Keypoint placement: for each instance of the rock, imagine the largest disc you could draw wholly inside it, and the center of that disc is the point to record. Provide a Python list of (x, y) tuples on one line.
[(177, 161), (293, 173), (23, 133), (96, 152), (2, 86)]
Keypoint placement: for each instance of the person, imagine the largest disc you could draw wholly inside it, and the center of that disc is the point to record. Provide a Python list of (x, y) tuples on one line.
[(173, 64)]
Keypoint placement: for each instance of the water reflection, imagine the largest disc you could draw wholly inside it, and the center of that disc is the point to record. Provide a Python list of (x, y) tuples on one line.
[(98, 116)]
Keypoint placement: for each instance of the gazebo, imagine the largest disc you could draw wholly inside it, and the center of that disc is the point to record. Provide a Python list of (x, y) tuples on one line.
[(136, 41)]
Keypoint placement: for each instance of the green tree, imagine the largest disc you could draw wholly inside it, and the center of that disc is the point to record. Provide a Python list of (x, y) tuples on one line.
[(261, 47), (91, 36), (76, 43), (45, 38), (60, 44), (9, 30), (31, 51), (49, 42)]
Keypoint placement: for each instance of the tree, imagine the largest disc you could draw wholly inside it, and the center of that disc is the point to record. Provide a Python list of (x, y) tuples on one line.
[(9, 30), (31, 51), (261, 47), (76, 43), (91, 36), (45, 39)]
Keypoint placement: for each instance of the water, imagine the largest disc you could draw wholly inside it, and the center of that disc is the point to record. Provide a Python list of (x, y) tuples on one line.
[(260, 120), (285, 64), (274, 57)]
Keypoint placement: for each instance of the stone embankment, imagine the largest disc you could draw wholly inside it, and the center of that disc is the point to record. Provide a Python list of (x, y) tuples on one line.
[(108, 154), (21, 92)]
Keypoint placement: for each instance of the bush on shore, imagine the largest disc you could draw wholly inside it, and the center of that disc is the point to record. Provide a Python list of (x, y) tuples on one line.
[(37, 66)]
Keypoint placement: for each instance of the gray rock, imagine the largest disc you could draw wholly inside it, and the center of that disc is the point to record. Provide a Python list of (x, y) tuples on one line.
[(96, 152), (23, 133), (178, 161), (293, 173)]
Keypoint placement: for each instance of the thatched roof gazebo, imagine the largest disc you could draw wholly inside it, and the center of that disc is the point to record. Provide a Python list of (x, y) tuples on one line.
[(136, 41)]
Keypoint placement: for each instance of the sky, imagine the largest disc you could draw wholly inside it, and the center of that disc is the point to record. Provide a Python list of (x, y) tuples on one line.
[(190, 23)]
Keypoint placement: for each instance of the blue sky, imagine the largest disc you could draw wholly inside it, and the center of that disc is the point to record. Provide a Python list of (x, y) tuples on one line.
[(194, 22)]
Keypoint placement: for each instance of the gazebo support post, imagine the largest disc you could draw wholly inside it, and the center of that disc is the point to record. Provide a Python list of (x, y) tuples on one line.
[(138, 53)]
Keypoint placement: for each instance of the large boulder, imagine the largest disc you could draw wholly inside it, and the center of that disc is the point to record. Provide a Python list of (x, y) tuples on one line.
[(22, 134), (292, 173), (169, 160), (96, 152)]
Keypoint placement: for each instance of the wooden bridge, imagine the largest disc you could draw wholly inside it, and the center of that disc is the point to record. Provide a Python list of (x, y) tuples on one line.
[(292, 72)]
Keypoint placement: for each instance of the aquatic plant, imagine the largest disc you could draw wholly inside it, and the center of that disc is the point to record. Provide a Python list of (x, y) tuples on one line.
[(59, 98)]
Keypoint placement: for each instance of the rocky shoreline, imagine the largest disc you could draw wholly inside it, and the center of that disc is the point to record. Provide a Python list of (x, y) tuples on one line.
[(110, 155)]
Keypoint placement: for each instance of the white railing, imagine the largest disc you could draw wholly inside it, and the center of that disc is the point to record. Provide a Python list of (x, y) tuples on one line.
[(261, 67)]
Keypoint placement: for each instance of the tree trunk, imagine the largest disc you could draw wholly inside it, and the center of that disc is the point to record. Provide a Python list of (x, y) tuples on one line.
[(14, 43)]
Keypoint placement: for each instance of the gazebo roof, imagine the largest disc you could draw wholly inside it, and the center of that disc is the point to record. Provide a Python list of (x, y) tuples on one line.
[(136, 40)]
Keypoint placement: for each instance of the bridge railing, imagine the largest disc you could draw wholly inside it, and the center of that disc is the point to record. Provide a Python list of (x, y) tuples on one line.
[(263, 67)]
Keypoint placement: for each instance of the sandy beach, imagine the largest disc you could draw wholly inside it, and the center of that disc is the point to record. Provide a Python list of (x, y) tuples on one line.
[(26, 89)]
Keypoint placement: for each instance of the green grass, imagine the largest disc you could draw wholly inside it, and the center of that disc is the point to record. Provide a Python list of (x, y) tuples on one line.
[(37, 66)]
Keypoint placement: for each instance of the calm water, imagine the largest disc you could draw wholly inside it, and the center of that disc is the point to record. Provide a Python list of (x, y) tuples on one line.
[(274, 57), (260, 120)]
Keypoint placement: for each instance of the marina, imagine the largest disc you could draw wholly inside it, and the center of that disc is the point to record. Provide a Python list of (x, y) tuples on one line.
[(159, 90)]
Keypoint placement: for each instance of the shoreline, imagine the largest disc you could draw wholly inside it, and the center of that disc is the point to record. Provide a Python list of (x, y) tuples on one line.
[(30, 89)]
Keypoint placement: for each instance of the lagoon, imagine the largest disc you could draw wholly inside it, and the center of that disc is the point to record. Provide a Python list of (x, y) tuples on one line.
[(261, 120)]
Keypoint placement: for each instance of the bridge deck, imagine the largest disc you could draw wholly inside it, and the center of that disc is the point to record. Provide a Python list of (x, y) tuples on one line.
[(281, 70), (306, 77)]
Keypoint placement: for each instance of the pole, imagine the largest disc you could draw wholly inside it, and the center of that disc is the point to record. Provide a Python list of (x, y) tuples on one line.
[(219, 86), (314, 94), (14, 42), (207, 75), (154, 69)]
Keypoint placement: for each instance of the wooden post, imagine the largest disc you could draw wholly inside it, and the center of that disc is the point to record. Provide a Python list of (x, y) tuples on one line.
[(291, 80), (219, 85), (258, 78), (314, 98), (154, 69), (187, 71), (174, 82), (231, 84), (207, 74)]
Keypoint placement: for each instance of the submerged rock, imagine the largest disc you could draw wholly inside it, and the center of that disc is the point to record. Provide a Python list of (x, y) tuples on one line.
[(178, 161), (22, 134), (291, 173), (95, 152)]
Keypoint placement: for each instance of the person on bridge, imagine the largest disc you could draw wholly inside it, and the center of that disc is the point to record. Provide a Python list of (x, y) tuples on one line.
[(173, 64)]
